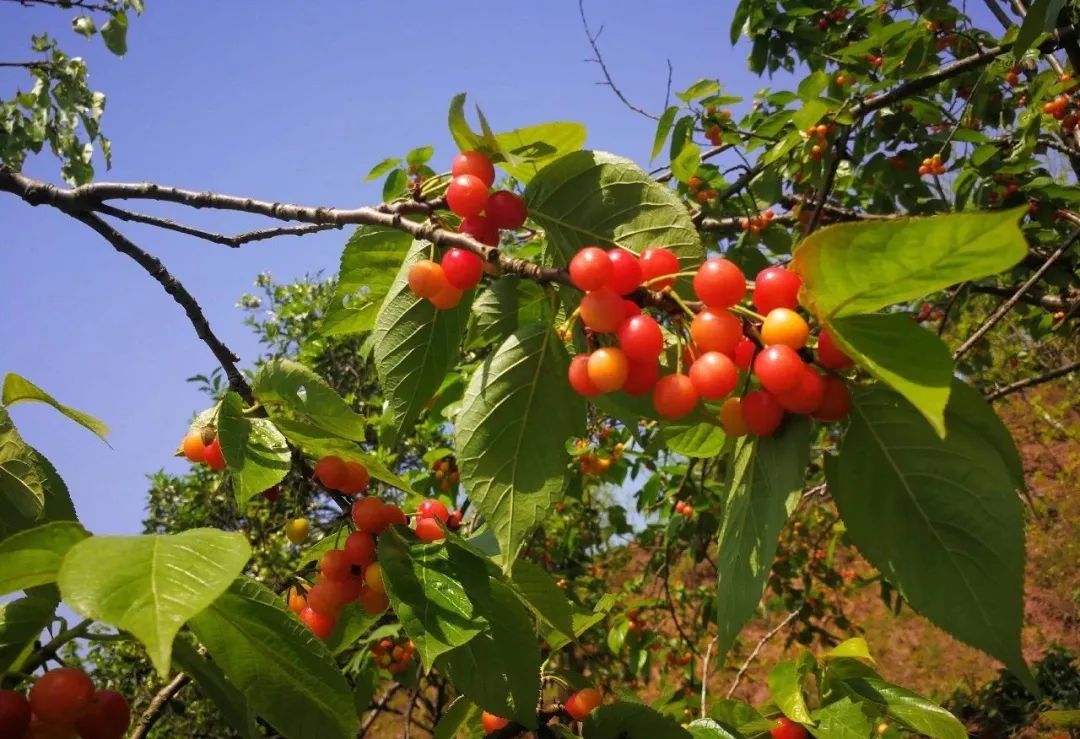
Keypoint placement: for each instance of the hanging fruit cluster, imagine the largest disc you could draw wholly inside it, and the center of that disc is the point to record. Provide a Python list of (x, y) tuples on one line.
[(202, 447), (757, 224), (445, 471), (64, 703), (430, 515), (338, 475), (394, 657), (932, 166)]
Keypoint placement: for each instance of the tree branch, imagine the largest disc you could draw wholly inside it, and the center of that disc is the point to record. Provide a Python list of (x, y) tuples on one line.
[(1027, 382), (152, 713), (68, 5), (1052, 303), (758, 647), (599, 60)]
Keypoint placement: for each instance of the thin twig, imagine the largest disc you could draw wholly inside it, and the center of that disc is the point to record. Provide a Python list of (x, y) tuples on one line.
[(599, 60), (68, 4), (758, 647), (152, 713), (1027, 382), (839, 152), (705, 673), (377, 708)]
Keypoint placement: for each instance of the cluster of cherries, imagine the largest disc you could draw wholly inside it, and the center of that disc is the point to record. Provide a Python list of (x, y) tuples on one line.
[(684, 509), (391, 656), (700, 190), (835, 16), (203, 447), (63, 703), (446, 472), (932, 166), (1059, 109), (716, 121), (578, 706), (757, 224), (483, 215), (719, 348), (819, 135)]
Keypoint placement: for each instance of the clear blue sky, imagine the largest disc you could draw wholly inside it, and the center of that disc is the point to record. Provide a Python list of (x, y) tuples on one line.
[(289, 101)]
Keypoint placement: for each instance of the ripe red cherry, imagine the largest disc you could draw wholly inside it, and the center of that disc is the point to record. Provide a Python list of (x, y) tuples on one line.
[(506, 209), (492, 723), (368, 515), (467, 195), (393, 516), (321, 624), (427, 529), (330, 472), (581, 704), (779, 368), (374, 601), (776, 287), (463, 269), (625, 271), (433, 508), (836, 402), (215, 458), (806, 397), (448, 297), (761, 413), (608, 369), (14, 713), (108, 717), (590, 269), (641, 377), (482, 229), (579, 377), (630, 308), (325, 597), (60, 696), (744, 353), (657, 263), (335, 565), (360, 548), (714, 375), (474, 163), (716, 330), (788, 729), (674, 396), (719, 283), (830, 355), (602, 310), (641, 338), (426, 278), (356, 478)]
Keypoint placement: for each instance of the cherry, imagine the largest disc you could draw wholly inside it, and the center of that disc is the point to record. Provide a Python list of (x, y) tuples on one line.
[(785, 326), (473, 163), (360, 548), (720, 283), (428, 529), (297, 530), (731, 418), (272, 494), (580, 704), (454, 522), (776, 287), (467, 195), (426, 278), (630, 308), (336, 565), (321, 624), (215, 458), (482, 229), (744, 353), (60, 696), (641, 338), (331, 472), (761, 413), (193, 446), (608, 369), (297, 600), (602, 310), (492, 723), (625, 271), (108, 717), (506, 209), (830, 355), (433, 508), (713, 375), (448, 297), (393, 516), (367, 515), (579, 377), (715, 330), (806, 397), (325, 597), (788, 729), (463, 269), (836, 401), (590, 269), (641, 377), (15, 711), (656, 262), (373, 578), (779, 368), (356, 478), (674, 396), (373, 601)]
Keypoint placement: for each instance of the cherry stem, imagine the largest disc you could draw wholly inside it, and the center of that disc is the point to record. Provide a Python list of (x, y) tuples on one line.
[(746, 312)]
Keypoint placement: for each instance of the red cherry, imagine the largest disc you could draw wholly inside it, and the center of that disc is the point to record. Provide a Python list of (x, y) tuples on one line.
[(716, 330), (374, 601), (714, 375), (272, 494), (830, 355), (60, 696), (215, 458), (630, 308), (788, 729), (492, 723), (393, 516), (454, 522), (590, 269), (836, 403), (779, 368), (641, 378), (506, 210), (448, 297), (321, 625), (776, 287), (108, 717), (805, 397), (463, 269), (720, 283), (674, 396), (367, 515), (608, 368), (581, 704), (482, 229), (475, 163), (467, 195), (761, 413), (330, 472), (579, 377), (356, 478), (325, 597), (656, 263), (335, 565), (427, 529), (641, 338), (433, 508), (625, 271), (14, 713), (426, 278), (360, 548), (602, 310), (744, 353)]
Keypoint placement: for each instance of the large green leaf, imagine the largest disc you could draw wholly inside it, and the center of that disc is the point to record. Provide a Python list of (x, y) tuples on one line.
[(540, 593), (415, 346), (919, 713), (627, 720), (287, 675), (939, 517), (282, 382), (368, 265), (786, 686), (969, 404), (862, 267), (500, 308), (431, 587), (30, 489), (151, 585), (212, 682), (526, 151), (707, 728), (703, 440), (842, 719), (257, 454), (903, 355), (460, 713), (595, 198), (516, 415), (18, 389), (21, 623), (766, 482), (33, 557), (1042, 17)]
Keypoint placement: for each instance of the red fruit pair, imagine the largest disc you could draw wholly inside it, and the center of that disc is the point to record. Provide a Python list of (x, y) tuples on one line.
[(428, 516), (428, 280), (334, 473), (592, 268), (196, 450), (372, 515), (467, 195), (580, 704)]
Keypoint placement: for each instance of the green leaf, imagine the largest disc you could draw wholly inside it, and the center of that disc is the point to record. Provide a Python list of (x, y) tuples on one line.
[(526, 151), (33, 557), (903, 355), (810, 113), (707, 728), (687, 162), (301, 391), (499, 669), (939, 517), (663, 130), (368, 265), (767, 479), (18, 389), (539, 592), (151, 585), (114, 33), (394, 186), (415, 346), (701, 88), (515, 417), (212, 682), (84, 26), (495, 311), (30, 489), (287, 675), (741, 716), (583, 620), (21, 623), (352, 624), (628, 720), (420, 155), (854, 268), (967, 403), (842, 719), (786, 686), (1041, 18), (429, 587), (257, 454), (918, 713), (379, 170), (702, 440), (456, 718), (461, 132), (854, 648)]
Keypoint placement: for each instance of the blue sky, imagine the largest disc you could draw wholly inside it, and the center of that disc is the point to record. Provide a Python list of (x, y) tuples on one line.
[(287, 101)]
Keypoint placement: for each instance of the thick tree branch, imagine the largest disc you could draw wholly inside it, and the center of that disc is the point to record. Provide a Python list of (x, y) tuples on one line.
[(1027, 382), (153, 712), (839, 152), (1052, 303)]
